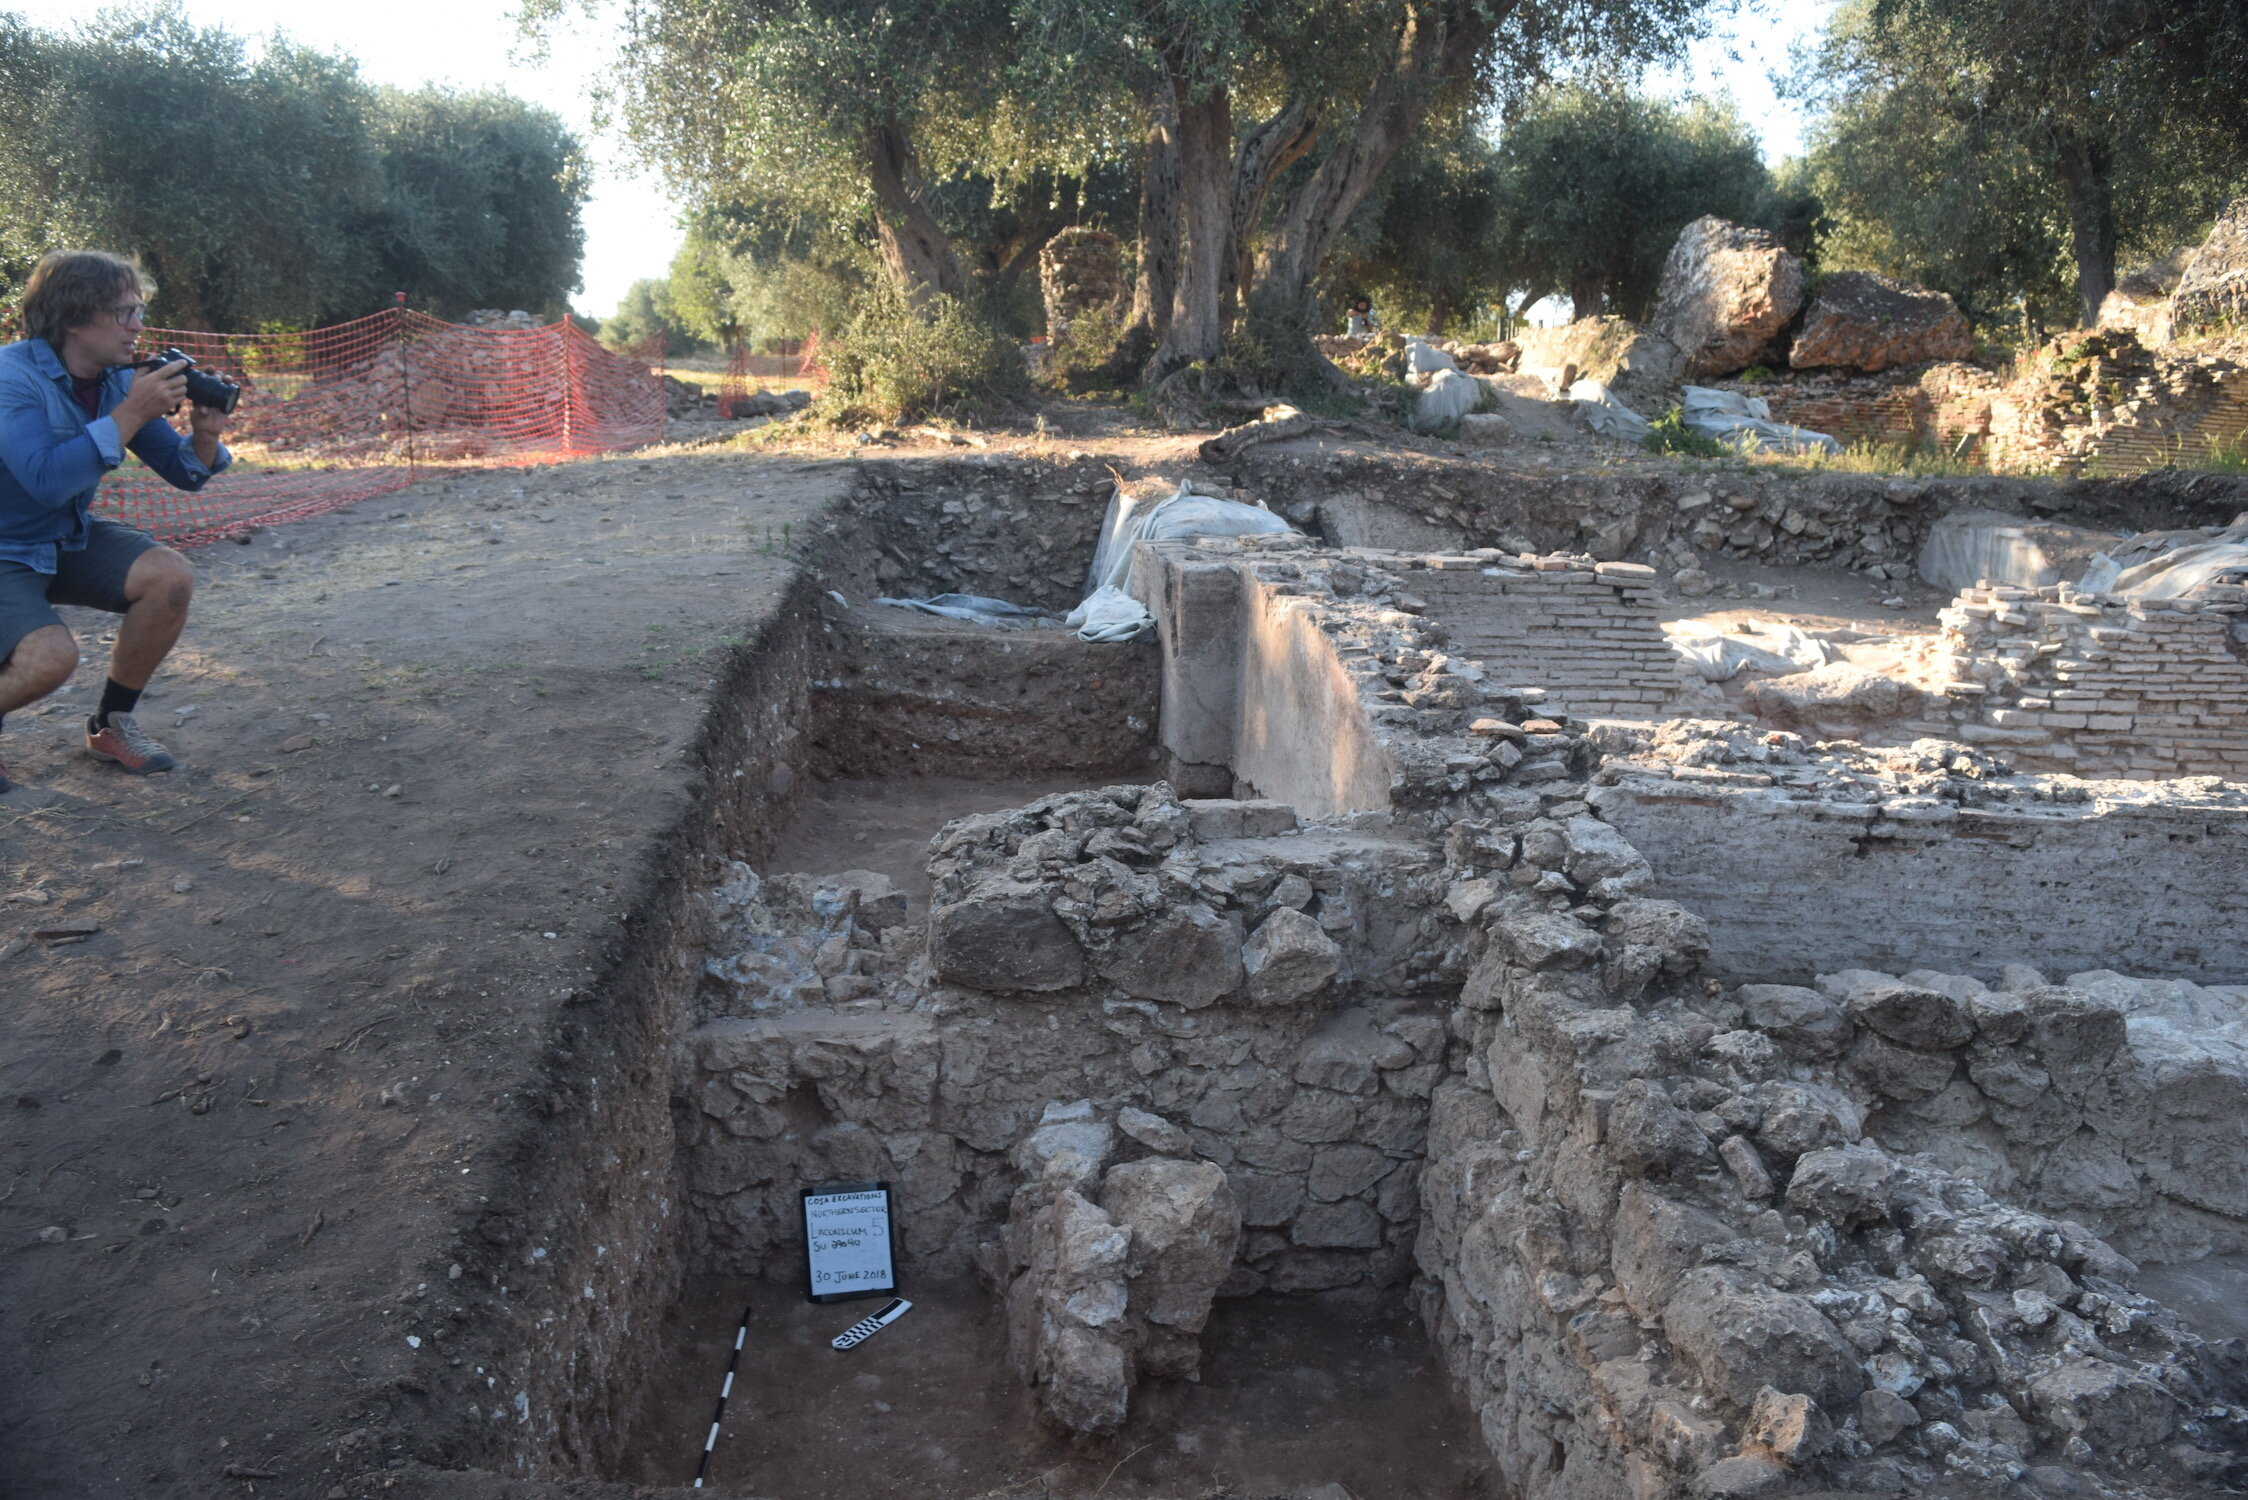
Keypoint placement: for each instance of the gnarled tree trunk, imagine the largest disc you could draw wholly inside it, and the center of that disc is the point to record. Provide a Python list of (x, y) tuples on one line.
[(2084, 166), (1267, 151), (1439, 41), (914, 246), (1197, 330), (1155, 282)]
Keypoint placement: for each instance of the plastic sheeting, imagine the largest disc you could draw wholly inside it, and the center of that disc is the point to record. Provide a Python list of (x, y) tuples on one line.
[(1604, 414), (2171, 564), (1740, 421), (1968, 546), (1448, 396), (1424, 358), (976, 609), (1774, 648), (1109, 612)]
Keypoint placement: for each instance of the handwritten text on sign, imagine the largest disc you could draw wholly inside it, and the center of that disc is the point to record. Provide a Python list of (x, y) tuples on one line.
[(849, 1236)]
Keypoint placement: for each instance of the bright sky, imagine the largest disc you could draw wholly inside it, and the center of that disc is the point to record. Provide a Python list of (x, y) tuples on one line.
[(631, 222)]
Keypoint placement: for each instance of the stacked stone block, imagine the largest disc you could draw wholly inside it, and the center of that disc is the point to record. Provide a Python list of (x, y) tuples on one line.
[(2099, 686), (1588, 633)]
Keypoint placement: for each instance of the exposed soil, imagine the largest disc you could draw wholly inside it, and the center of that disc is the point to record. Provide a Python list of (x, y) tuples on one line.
[(1295, 1393), (427, 743)]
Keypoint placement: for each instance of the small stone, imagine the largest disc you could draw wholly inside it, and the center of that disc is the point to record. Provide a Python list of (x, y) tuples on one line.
[(1883, 1414), (393, 789), (1747, 1166), (1154, 1132), (1789, 1427), (182, 884), (53, 1234), (65, 928)]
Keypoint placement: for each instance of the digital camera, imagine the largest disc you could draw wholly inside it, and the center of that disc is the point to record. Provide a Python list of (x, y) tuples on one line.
[(203, 388)]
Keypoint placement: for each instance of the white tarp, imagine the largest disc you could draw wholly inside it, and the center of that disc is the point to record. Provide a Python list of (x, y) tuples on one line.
[(1448, 396), (1773, 648), (1604, 414), (1968, 546), (2171, 565), (1109, 612), (1745, 422), (976, 609), (1424, 358)]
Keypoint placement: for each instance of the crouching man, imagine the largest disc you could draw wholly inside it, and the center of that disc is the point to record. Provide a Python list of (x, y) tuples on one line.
[(70, 405)]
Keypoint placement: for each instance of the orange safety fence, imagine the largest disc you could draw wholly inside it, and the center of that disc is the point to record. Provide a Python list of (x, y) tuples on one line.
[(334, 415), (796, 360)]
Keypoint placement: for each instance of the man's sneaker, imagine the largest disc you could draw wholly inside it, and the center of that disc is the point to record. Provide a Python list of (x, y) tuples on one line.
[(125, 742)]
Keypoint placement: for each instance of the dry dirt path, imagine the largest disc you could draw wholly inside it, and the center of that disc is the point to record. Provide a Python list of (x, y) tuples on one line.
[(430, 745)]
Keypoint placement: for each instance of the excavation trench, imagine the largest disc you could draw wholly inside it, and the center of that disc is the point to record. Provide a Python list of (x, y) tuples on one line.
[(1397, 1132), (778, 1016)]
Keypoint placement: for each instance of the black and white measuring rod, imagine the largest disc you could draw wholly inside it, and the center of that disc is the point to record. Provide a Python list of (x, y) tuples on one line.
[(733, 1363), (866, 1328)]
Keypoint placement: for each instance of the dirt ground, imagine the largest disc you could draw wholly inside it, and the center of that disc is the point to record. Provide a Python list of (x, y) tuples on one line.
[(1296, 1392), (426, 742)]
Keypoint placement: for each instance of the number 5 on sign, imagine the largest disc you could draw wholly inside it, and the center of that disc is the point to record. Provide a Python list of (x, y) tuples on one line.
[(849, 1241)]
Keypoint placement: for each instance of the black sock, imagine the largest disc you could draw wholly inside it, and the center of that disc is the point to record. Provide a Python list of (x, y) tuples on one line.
[(116, 698)]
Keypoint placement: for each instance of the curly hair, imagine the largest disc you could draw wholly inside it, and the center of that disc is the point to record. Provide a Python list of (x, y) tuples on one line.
[(71, 288)]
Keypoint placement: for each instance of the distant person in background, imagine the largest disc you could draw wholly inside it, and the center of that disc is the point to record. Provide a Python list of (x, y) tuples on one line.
[(1362, 322), (70, 405)]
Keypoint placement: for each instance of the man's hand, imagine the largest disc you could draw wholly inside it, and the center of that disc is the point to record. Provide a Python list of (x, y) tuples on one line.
[(153, 393), (205, 423)]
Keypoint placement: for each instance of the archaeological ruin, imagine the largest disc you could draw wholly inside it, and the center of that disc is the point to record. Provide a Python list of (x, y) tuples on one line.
[(1715, 1104)]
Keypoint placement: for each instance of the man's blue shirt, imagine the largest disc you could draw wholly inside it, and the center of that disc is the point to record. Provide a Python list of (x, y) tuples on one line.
[(52, 458)]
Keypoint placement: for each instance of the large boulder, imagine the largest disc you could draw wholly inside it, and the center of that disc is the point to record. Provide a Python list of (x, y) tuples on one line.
[(1185, 1228), (1726, 294), (1638, 364), (1859, 320), (2212, 292), (1004, 938)]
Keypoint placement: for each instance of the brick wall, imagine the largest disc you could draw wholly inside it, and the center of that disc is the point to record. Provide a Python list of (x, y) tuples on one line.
[(2064, 681), (1589, 634)]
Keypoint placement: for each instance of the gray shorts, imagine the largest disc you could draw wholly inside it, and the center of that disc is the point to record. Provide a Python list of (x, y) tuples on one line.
[(93, 577)]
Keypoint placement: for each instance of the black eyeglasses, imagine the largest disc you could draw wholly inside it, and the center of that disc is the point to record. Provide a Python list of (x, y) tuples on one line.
[(130, 314)]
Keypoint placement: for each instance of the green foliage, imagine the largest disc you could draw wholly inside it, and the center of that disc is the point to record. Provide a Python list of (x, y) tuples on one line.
[(280, 191), (646, 312), (1672, 435), (1081, 358), (1423, 245), (2012, 153), (482, 202), (1596, 181), (892, 364)]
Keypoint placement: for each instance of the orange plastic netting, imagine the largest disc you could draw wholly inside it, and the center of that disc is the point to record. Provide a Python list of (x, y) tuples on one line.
[(797, 361), (334, 415)]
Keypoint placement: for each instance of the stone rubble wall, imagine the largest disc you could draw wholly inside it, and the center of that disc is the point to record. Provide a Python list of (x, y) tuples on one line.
[(1020, 527), (1207, 962), (1426, 503), (2100, 686), (1668, 1248)]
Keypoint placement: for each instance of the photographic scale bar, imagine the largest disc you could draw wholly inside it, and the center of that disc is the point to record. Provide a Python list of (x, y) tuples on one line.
[(851, 1337)]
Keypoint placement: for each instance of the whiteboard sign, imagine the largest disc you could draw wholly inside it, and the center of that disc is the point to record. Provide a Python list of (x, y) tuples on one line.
[(847, 1245)]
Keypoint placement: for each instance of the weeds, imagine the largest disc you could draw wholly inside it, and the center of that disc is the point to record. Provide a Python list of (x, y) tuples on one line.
[(893, 364), (1670, 434)]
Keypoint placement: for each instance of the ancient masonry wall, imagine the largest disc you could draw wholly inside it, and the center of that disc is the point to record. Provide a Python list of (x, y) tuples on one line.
[(1588, 633), (1666, 1236), (2098, 686), (1794, 881)]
